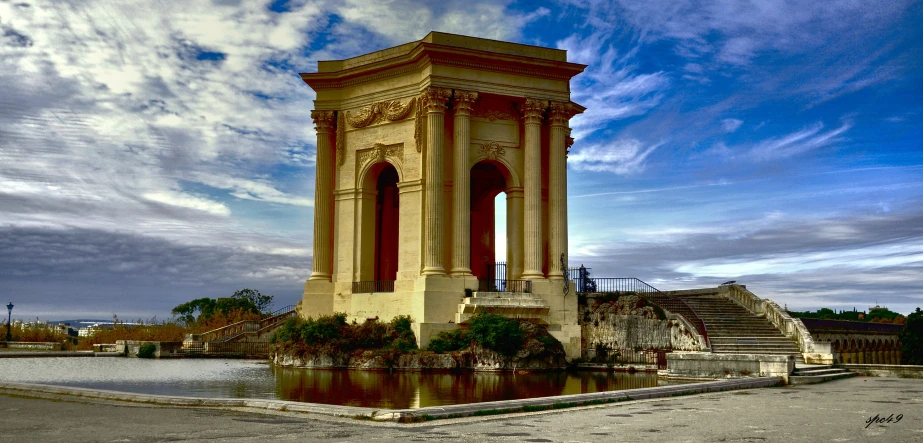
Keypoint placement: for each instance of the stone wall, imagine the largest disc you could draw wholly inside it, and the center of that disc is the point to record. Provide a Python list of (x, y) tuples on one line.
[(32, 346), (627, 322), (699, 364)]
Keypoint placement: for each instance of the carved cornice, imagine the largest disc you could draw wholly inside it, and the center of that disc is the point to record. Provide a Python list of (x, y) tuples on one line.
[(323, 120), (491, 113), (533, 109), (435, 99), (341, 138), (390, 110), (464, 101), (560, 112), (492, 150), (379, 152)]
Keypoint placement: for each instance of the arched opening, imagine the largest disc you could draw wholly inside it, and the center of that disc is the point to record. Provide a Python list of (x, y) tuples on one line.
[(386, 225), (378, 214), (488, 249)]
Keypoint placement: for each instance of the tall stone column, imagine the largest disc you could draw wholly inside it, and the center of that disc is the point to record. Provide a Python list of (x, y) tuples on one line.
[(559, 114), (324, 122), (461, 228), (434, 99), (514, 233), (532, 218)]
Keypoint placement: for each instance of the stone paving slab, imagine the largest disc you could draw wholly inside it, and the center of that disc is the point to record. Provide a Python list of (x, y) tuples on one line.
[(839, 411)]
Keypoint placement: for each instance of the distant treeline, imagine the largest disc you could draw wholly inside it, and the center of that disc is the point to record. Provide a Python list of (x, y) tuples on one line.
[(875, 315)]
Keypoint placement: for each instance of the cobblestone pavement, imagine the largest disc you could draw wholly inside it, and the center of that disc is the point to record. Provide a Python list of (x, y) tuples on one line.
[(835, 411)]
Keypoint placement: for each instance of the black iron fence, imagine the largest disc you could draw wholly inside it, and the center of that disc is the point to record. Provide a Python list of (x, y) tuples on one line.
[(504, 285), (226, 349), (649, 357), (373, 286)]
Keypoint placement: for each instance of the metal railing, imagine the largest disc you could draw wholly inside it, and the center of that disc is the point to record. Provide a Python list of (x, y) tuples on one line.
[(373, 286), (650, 357), (242, 349), (505, 285), (234, 330), (633, 285)]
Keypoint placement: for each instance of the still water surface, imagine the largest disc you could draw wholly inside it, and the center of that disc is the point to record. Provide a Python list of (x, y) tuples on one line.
[(251, 379)]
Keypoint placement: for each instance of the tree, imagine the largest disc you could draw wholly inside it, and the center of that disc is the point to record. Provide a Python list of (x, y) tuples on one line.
[(911, 338), (244, 301)]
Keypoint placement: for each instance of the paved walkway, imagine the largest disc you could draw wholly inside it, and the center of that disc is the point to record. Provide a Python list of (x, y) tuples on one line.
[(835, 411)]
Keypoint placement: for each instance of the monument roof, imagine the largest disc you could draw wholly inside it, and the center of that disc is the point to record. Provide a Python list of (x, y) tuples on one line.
[(453, 49)]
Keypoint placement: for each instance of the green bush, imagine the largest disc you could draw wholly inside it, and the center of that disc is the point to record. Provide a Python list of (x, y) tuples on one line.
[(497, 333), (324, 330), (449, 341), (333, 333), (911, 338), (147, 350)]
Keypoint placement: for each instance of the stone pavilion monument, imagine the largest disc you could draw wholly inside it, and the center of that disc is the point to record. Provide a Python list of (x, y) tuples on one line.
[(414, 143)]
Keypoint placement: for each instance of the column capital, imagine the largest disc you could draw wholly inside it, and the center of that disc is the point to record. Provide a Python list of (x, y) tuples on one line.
[(324, 120), (560, 112), (434, 99), (532, 110), (464, 101)]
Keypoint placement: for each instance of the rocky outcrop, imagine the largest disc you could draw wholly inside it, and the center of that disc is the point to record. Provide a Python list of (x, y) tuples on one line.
[(629, 322)]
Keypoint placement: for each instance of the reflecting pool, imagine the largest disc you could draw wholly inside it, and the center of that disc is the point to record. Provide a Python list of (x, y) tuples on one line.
[(252, 379)]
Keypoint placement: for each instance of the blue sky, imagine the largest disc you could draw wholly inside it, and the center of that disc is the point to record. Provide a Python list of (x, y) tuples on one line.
[(154, 152)]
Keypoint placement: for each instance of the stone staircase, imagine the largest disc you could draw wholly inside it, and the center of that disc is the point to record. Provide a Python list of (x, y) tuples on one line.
[(732, 329), (808, 374), (508, 304)]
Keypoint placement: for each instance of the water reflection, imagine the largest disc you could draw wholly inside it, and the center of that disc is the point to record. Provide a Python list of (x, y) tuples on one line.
[(423, 389), (251, 379)]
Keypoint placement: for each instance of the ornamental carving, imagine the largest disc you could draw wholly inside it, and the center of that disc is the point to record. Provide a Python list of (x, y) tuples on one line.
[(379, 152), (464, 102), (568, 141), (390, 110), (492, 150), (532, 110), (323, 120), (560, 112), (435, 99), (495, 110), (341, 139), (418, 126)]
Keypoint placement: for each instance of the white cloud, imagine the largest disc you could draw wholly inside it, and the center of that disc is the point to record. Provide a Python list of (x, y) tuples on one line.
[(610, 88), (184, 200), (623, 157), (731, 124), (798, 142)]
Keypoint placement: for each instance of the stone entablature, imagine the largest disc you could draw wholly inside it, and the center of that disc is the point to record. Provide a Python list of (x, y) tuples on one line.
[(434, 110)]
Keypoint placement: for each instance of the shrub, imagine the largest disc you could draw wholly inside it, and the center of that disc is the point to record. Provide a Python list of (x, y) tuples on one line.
[(497, 333), (333, 333), (449, 341), (406, 341), (147, 350), (911, 338)]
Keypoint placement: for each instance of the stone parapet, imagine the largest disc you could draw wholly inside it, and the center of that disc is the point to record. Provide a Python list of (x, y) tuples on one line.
[(708, 365)]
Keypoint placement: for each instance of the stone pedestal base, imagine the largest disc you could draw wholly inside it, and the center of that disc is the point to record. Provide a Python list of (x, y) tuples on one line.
[(317, 299)]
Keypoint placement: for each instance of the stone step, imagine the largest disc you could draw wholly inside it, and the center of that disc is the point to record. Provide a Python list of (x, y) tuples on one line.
[(751, 341), (828, 371), (811, 379)]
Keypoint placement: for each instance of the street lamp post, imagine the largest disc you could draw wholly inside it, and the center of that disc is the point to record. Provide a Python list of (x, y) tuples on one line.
[(9, 334)]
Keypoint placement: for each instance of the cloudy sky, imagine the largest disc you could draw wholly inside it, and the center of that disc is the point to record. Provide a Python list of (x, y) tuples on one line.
[(152, 151)]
